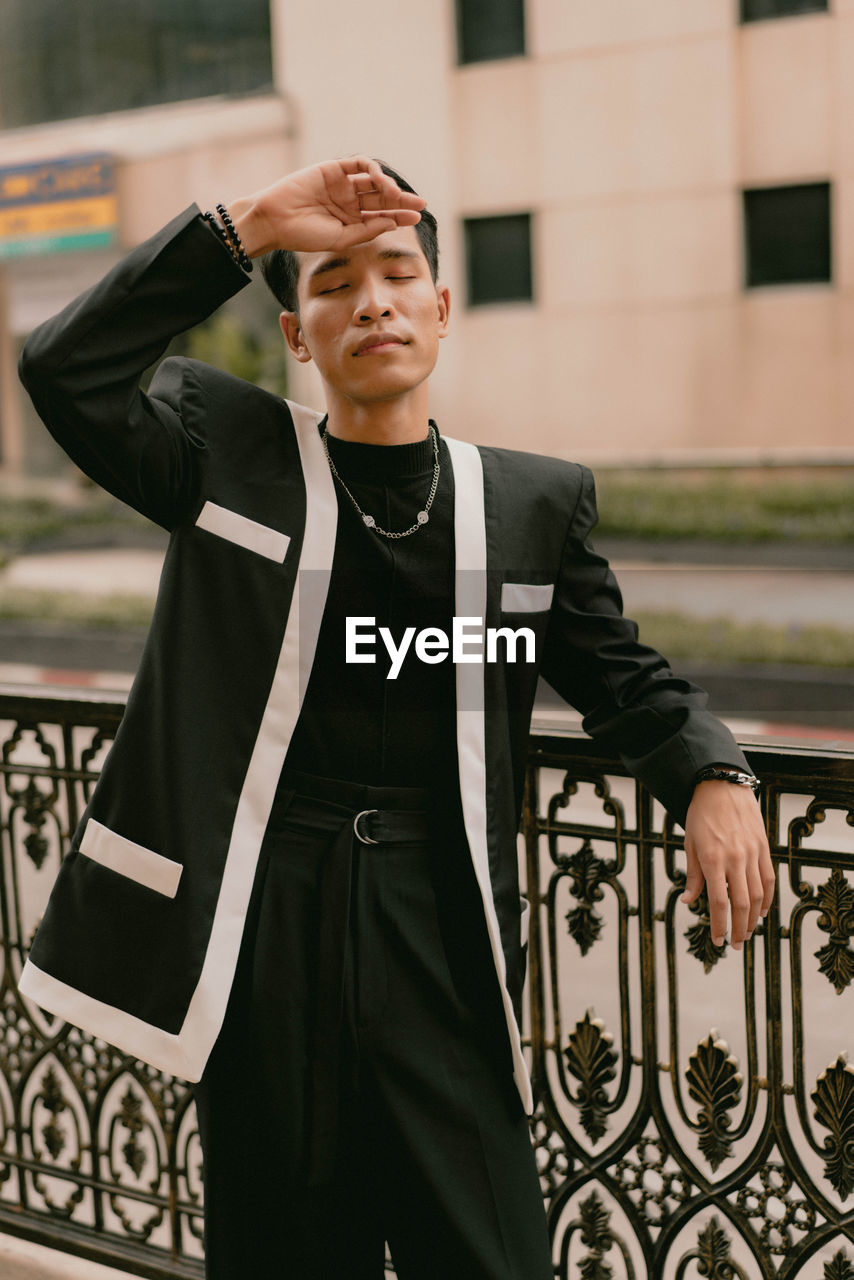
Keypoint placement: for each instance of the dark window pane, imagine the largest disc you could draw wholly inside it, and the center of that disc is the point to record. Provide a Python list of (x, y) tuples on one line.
[(489, 29), (787, 234), (498, 258), (59, 60), (754, 10)]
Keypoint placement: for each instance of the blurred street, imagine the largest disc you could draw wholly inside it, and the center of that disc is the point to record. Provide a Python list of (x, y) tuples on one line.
[(791, 597)]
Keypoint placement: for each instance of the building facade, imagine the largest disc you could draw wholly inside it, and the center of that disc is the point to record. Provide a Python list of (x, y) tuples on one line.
[(644, 205)]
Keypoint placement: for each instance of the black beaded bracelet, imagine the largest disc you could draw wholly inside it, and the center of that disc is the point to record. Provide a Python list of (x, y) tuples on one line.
[(237, 251), (234, 239)]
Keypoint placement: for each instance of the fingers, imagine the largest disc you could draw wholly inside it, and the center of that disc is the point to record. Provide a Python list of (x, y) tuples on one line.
[(719, 903), (377, 191), (757, 893), (401, 217), (739, 901), (768, 878), (726, 844), (372, 225), (694, 879)]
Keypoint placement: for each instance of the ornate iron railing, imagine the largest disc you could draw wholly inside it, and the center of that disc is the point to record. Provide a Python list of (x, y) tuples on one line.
[(695, 1109)]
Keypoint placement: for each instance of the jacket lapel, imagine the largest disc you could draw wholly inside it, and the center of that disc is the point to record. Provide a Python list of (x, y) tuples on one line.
[(470, 602)]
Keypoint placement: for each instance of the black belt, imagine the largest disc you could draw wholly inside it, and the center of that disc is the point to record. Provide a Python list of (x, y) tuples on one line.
[(345, 820)]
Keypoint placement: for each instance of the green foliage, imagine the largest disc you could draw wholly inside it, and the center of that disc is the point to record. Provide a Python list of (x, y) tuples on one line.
[(728, 506), (26, 521), (721, 640), (225, 341), (116, 612)]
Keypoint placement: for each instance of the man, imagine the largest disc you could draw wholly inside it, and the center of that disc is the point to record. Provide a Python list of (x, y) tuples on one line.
[(296, 880)]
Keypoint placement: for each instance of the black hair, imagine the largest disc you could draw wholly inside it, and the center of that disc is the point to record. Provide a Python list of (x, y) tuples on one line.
[(280, 268)]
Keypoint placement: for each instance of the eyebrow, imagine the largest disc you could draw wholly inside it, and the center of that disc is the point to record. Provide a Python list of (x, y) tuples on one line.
[(385, 255)]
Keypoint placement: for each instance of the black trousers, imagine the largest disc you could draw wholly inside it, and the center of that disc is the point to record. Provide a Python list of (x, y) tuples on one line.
[(418, 1136)]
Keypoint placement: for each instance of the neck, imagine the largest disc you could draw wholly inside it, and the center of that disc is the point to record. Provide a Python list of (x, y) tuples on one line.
[(402, 420)]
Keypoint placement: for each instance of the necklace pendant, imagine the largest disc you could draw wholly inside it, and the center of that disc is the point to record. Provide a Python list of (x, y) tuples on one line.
[(370, 521), (422, 517)]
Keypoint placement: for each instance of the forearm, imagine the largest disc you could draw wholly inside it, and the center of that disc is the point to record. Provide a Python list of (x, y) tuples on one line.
[(82, 368), (632, 701)]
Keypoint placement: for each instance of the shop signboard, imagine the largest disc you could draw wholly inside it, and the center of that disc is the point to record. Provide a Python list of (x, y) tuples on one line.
[(56, 206)]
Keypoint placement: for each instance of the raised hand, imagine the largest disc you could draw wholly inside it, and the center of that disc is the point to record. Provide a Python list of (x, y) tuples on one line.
[(329, 206)]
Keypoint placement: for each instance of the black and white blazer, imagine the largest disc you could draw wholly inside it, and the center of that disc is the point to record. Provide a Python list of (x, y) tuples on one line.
[(140, 938)]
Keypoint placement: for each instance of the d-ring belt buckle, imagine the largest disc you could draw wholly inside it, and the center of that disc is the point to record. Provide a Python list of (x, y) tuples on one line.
[(364, 814)]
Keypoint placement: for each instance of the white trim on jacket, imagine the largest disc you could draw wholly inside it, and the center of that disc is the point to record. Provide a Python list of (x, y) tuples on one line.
[(470, 602), (185, 1053)]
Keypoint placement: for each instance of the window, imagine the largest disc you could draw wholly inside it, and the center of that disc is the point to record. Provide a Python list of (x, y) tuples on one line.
[(756, 10), (59, 59), (490, 29), (498, 259), (787, 234)]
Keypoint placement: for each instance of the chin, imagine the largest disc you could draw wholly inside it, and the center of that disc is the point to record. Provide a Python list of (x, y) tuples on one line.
[(381, 389)]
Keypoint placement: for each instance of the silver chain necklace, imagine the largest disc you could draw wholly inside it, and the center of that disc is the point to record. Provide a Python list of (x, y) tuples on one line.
[(422, 517)]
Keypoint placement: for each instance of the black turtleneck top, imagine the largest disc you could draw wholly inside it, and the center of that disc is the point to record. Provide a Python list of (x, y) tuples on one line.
[(355, 724)]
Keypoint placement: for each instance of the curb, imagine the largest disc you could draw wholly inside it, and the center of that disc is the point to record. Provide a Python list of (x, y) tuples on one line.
[(23, 1260)]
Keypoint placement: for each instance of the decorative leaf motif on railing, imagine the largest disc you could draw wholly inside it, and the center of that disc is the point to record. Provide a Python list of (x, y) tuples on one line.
[(715, 1083), (131, 1117), (834, 1110), (836, 958), (839, 1267), (713, 1255), (587, 872), (37, 805), (54, 1103), (35, 802), (699, 935), (596, 1235), (590, 1058)]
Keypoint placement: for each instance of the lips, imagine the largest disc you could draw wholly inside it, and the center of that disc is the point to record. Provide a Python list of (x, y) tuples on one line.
[(377, 343)]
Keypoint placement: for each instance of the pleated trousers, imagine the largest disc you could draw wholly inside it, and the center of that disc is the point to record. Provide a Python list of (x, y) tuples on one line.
[(360, 1090)]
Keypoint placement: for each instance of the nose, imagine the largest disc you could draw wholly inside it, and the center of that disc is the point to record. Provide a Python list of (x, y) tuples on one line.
[(373, 302)]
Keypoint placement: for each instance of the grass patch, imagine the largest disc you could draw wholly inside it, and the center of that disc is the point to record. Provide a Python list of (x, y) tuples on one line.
[(26, 521), (722, 641), (728, 505), (116, 612)]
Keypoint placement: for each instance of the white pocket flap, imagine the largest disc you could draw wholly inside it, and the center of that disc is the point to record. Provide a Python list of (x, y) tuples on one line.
[(130, 859), (245, 532), (526, 597)]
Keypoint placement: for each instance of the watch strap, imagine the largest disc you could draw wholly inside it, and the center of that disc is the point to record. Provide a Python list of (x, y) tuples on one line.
[(726, 773)]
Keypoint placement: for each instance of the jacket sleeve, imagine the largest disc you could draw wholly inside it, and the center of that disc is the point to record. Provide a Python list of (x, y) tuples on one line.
[(630, 699), (82, 368)]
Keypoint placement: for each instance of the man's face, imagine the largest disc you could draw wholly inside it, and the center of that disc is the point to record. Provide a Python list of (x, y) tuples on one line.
[(370, 317)]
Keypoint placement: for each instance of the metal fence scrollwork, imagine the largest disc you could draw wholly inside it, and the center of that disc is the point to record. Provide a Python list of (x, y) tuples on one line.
[(99, 1154), (695, 1106)]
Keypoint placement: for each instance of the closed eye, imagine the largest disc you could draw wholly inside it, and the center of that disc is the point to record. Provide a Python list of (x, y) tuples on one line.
[(336, 288)]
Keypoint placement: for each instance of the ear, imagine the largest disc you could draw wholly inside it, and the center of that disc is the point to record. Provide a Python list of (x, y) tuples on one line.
[(290, 326), (443, 298)]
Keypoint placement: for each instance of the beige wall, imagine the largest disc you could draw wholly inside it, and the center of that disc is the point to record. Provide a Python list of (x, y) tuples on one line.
[(628, 131)]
